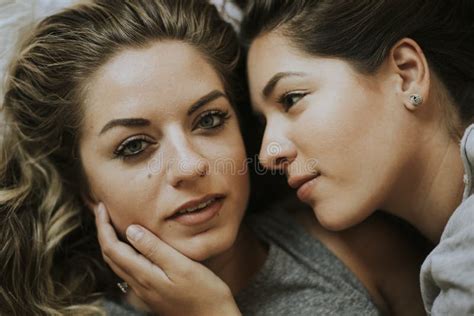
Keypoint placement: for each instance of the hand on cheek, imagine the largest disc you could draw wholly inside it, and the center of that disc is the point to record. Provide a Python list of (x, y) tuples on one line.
[(165, 280)]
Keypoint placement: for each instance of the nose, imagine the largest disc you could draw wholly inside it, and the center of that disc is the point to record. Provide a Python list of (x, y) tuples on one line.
[(185, 163), (277, 151)]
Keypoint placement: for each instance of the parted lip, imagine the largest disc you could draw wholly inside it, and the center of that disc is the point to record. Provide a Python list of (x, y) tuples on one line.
[(196, 202), (297, 181)]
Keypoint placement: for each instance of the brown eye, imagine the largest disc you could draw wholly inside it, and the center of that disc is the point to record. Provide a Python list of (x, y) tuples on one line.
[(289, 99)]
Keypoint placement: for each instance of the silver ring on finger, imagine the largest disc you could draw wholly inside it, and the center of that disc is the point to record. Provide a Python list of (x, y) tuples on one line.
[(123, 286)]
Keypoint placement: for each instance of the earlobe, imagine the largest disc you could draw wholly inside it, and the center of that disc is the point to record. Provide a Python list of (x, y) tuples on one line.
[(416, 100), (410, 64)]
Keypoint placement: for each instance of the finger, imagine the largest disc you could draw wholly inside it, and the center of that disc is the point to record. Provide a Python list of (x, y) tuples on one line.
[(125, 257), (132, 283), (157, 251), (142, 291), (106, 233), (109, 237)]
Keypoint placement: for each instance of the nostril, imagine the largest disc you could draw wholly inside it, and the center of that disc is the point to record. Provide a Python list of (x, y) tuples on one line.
[(281, 162)]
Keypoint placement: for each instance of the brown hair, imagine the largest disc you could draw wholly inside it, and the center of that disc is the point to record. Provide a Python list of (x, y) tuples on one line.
[(49, 257), (363, 32)]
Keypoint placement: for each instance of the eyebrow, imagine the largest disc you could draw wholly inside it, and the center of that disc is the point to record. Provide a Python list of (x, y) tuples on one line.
[(211, 96), (140, 122), (128, 122), (271, 84)]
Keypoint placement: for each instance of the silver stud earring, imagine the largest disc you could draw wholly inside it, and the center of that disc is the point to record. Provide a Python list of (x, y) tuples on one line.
[(416, 99)]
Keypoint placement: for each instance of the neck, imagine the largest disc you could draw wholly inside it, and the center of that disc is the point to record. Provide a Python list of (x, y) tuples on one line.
[(431, 187)]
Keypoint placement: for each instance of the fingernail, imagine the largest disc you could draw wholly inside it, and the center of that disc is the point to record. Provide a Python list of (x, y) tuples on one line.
[(134, 232)]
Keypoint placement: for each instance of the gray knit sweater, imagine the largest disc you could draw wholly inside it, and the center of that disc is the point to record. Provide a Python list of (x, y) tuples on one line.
[(447, 275), (300, 276)]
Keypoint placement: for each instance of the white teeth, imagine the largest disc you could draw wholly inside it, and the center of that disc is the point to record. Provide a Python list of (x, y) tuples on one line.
[(198, 207)]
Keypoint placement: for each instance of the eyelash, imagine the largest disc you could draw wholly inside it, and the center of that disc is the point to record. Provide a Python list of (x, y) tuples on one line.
[(222, 115), (120, 151), (283, 98)]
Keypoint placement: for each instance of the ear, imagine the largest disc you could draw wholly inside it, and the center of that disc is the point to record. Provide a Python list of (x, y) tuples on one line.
[(410, 64)]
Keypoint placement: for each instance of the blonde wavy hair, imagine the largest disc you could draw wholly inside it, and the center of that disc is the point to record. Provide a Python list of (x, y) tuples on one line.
[(50, 260)]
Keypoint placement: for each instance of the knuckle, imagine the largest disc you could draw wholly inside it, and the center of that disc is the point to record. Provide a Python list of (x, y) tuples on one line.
[(186, 273), (144, 282)]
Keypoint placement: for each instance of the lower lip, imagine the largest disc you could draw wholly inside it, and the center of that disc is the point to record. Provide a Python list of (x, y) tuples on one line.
[(304, 192), (201, 216)]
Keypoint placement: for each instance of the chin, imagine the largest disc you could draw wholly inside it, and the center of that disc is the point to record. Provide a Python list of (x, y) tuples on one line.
[(207, 245), (337, 217)]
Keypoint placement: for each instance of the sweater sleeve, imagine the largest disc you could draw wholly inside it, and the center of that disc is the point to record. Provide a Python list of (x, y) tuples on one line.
[(447, 275)]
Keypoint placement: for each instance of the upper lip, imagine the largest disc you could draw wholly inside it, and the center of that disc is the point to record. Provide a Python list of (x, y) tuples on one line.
[(196, 202), (297, 181)]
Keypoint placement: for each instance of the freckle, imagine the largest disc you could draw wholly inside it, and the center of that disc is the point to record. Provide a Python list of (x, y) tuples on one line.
[(149, 176)]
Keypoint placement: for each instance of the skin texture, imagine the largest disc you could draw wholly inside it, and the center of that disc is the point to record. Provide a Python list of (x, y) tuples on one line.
[(147, 188), (373, 149)]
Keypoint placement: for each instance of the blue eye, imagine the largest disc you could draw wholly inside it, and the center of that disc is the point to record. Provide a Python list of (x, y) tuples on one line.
[(287, 100), (133, 147), (211, 120)]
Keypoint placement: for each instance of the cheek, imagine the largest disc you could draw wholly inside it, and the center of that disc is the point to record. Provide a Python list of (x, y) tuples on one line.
[(350, 144), (337, 129), (358, 152), (230, 162), (227, 152), (125, 193)]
